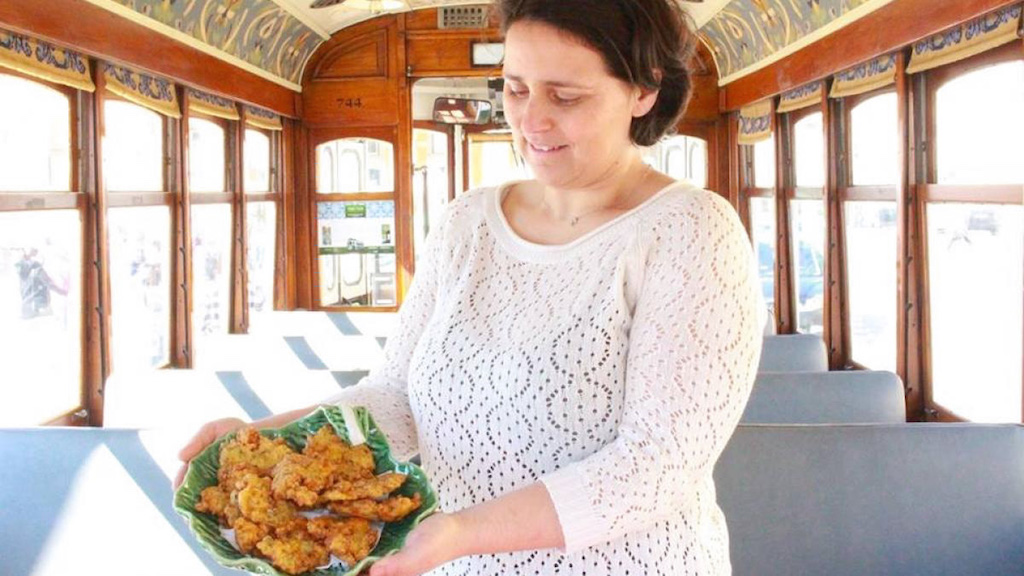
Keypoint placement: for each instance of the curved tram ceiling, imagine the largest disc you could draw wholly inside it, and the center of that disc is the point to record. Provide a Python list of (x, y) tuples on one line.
[(275, 38)]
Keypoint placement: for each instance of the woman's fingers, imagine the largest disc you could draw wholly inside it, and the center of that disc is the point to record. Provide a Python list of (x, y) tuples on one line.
[(206, 434)]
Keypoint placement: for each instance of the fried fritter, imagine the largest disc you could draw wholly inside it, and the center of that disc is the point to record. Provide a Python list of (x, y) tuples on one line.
[(372, 488), (214, 500), (350, 539), (348, 462), (248, 534), (294, 553), (301, 478), (257, 503), (390, 510), (251, 450)]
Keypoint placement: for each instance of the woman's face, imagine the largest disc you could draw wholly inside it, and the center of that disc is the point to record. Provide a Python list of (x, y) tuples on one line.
[(569, 116)]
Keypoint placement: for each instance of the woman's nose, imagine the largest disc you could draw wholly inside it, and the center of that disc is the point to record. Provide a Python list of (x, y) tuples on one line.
[(536, 116)]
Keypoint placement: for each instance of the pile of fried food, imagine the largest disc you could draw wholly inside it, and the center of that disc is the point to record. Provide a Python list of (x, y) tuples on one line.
[(264, 486)]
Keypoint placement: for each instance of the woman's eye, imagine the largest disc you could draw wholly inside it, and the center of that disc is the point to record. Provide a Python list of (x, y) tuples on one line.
[(515, 93), (566, 100)]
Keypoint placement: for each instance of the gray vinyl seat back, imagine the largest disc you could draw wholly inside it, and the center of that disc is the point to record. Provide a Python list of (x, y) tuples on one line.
[(793, 353), (901, 499), (841, 397)]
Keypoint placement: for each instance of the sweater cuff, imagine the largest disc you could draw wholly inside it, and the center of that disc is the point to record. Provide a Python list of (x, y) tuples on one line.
[(582, 526)]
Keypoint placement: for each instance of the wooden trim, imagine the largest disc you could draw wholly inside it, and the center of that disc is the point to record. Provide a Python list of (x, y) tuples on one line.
[(785, 302), (305, 229), (212, 198), (974, 194), (239, 321), (805, 193), (106, 35), (181, 334), (281, 268), (889, 28), (96, 307), (759, 192), (869, 193), (917, 305), (836, 331), (133, 199), (356, 197), (405, 261), (14, 202), (261, 197)]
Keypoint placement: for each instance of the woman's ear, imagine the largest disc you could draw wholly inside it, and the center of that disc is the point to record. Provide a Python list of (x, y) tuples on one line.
[(647, 97), (644, 102)]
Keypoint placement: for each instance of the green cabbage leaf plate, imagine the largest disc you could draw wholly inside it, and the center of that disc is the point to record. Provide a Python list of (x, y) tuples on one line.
[(202, 473)]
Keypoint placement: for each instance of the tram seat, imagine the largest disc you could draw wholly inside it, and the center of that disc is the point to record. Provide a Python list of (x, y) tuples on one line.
[(793, 353), (843, 397), (937, 499)]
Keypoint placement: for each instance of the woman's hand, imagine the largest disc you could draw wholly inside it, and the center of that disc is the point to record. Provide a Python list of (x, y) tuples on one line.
[(207, 434), (437, 540)]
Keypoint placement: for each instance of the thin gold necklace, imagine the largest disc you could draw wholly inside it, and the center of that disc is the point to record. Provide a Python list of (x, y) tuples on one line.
[(573, 220)]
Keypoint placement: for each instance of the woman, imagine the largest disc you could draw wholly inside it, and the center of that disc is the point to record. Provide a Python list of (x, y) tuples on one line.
[(577, 349)]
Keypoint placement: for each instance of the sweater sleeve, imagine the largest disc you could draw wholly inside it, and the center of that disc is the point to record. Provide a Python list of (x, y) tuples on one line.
[(693, 352), (384, 390)]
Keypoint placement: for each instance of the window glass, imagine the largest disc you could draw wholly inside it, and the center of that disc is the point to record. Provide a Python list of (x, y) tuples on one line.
[(140, 287), (874, 139), (682, 158), (206, 156), (40, 315), (493, 160), (975, 269), (762, 225), (35, 137), (359, 165), (429, 182), (133, 148), (974, 149), (764, 163), (809, 151), (808, 262), (871, 263), (261, 230), (257, 162), (356, 253), (211, 271)]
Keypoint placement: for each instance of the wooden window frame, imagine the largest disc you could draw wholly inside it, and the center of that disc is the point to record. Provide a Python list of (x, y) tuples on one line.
[(403, 224), (929, 191)]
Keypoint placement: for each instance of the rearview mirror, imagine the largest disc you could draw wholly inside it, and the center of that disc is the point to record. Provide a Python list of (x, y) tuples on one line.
[(462, 111)]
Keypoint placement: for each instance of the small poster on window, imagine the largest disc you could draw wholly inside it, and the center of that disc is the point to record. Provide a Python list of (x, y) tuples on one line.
[(356, 227)]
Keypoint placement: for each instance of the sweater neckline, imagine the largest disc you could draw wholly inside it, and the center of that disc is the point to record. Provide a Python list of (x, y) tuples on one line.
[(534, 251)]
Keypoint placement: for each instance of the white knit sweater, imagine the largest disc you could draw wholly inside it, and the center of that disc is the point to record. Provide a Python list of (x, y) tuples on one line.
[(613, 369)]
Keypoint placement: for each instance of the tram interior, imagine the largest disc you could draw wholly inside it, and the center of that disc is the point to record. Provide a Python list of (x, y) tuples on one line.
[(237, 242)]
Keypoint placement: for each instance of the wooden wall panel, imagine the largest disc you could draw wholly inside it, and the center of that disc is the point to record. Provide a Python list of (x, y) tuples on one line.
[(890, 27), (447, 53), (110, 36), (364, 57)]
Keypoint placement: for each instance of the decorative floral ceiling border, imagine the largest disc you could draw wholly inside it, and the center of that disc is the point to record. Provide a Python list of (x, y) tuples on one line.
[(257, 35), (750, 34)]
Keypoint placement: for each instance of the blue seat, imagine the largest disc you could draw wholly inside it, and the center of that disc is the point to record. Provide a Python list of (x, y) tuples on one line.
[(851, 500), (793, 353), (850, 396)]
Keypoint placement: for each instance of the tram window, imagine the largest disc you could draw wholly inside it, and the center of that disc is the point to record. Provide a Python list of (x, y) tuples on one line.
[(35, 137), (256, 162), (683, 158), (40, 315), (808, 226), (976, 278), (211, 271), (871, 277), (133, 148), (206, 156), (809, 151), (140, 273), (970, 150), (356, 248), (261, 232), (874, 140), (493, 160), (764, 163), (762, 225), (356, 165), (429, 182)]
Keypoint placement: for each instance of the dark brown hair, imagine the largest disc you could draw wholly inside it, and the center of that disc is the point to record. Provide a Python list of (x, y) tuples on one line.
[(647, 43)]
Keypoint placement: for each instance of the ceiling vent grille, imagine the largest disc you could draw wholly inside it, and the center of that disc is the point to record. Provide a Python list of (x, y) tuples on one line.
[(462, 17)]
